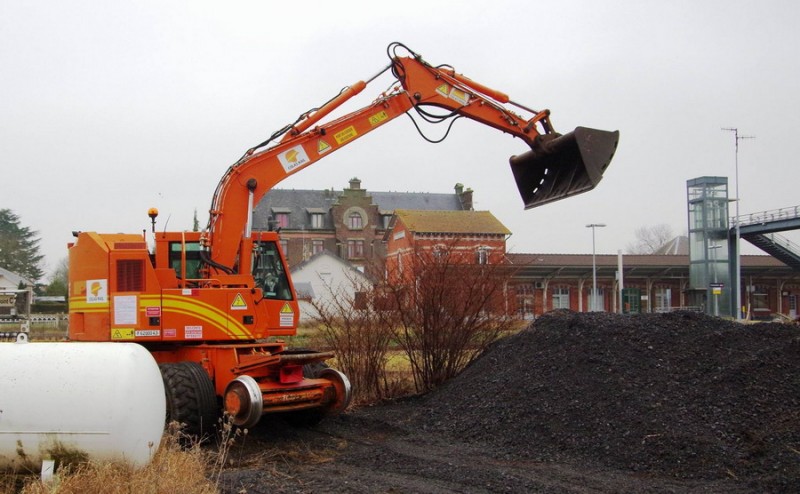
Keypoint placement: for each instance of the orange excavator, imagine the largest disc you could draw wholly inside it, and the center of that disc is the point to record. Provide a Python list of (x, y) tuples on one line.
[(212, 306)]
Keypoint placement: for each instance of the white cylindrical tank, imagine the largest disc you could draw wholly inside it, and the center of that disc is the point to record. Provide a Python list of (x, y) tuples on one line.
[(104, 401)]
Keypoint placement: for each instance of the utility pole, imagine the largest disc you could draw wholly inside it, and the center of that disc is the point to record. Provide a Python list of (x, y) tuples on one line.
[(593, 302), (738, 296)]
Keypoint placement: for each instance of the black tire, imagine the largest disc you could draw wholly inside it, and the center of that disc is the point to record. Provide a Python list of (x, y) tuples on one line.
[(312, 370), (191, 400)]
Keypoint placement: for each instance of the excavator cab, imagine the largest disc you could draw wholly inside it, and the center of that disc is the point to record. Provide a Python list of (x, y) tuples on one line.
[(560, 166)]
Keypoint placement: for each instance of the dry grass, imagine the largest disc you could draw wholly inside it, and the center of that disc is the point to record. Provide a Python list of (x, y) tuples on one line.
[(173, 470)]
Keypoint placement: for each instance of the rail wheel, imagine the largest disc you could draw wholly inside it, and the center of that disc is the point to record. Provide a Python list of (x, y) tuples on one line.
[(314, 416), (191, 400)]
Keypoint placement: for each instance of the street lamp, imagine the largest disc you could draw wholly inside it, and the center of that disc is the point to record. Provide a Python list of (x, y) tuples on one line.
[(593, 304), (738, 297)]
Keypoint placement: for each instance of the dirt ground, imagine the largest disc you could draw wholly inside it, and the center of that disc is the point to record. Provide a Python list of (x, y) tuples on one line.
[(576, 403)]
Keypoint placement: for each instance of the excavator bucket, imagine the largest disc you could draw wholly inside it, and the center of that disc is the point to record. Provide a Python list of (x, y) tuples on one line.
[(561, 166)]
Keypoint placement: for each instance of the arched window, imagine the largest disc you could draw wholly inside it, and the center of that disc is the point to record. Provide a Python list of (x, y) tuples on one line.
[(355, 221)]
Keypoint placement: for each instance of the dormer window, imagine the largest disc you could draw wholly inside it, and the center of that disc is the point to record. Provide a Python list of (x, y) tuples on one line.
[(316, 220), (281, 220), (281, 217)]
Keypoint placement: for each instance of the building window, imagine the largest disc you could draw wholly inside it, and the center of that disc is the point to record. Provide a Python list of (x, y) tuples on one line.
[(482, 255), (440, 252), (317, 220), (663, 299), (561, 297), (596, 301), (386, 219), (355, 249), (525, 300), (759, 300), (355, 221), (317, 246), (281, 220)]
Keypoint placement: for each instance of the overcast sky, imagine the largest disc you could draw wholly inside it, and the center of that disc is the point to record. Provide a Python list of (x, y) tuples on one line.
[(109, 108)]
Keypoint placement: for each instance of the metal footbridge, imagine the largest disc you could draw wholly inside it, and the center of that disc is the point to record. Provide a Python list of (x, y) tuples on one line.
[(761, 229)]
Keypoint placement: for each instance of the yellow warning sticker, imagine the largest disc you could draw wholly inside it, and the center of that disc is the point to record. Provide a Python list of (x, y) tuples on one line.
[(287, 316), (459, 96), (238, 303), (444, 90), (345, 135), (323, 147), (123, 334), (378, 118)]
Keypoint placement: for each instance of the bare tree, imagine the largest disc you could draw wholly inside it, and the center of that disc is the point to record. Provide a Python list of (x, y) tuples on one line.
[(446, 310), (650, 238), (354, 328)]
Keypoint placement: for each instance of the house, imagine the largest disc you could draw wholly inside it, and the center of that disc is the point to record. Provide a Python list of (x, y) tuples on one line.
[(324, 278), (12, 281), (477, 234), (14, 301), (467, 237), (350, 223)]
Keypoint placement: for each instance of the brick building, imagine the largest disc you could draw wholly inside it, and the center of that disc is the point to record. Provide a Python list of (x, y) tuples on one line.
[(474, 237), (653, 283), (351, 223), (360, 226)]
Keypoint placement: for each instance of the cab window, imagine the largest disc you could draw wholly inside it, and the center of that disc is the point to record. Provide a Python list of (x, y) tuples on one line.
[(269, 271), (192, 259)]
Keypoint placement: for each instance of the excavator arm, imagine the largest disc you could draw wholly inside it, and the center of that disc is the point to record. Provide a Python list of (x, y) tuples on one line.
[(555, 167)]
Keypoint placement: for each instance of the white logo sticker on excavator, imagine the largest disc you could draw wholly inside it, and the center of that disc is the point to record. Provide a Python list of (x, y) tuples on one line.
[(293, 158), (96, 291)]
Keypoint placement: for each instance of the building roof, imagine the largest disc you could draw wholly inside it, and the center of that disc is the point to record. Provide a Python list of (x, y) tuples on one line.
[(300, 203), (391, 201), (12, 280), (639, 266), (677, 246), (463, 222)]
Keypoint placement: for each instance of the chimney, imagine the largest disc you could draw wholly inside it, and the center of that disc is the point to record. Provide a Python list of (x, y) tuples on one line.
[(465, 196)]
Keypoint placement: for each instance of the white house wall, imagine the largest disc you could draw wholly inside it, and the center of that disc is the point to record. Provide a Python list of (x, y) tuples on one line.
[(328, 276)]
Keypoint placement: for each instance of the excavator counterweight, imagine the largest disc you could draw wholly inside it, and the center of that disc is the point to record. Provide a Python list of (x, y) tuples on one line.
[(557, 167)]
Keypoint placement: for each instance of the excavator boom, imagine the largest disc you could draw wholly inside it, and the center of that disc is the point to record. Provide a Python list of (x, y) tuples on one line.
[(555, 167)]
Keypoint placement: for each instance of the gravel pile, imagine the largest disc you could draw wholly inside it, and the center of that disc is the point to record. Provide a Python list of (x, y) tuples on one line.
[(681, 395)]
